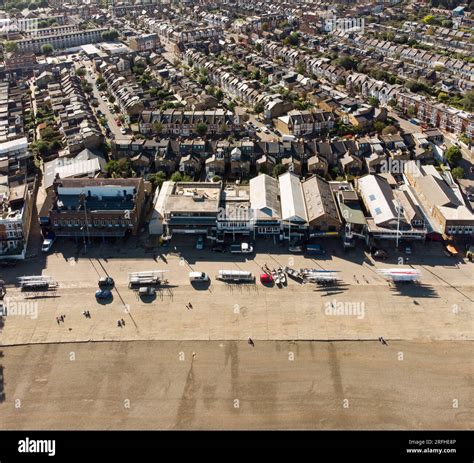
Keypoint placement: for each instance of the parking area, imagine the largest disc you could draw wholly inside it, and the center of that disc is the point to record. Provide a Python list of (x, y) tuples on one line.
[(361, 305)]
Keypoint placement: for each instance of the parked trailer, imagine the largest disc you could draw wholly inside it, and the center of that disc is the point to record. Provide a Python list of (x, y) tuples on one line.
[(153, 277), (400, 275), (235, 276), (38, 282), (311, 275)]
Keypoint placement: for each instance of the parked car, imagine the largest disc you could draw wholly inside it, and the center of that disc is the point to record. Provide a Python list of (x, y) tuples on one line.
[(7, 263), (470, 253), (200, 243), (295, 249), (103, 294), (198, 276), (315, 249), (146, 291), (106, 281), (47, 244), (378, 254), (242, 248)]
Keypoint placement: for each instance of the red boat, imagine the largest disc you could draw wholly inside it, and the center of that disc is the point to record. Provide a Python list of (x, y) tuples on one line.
[(266, 279)]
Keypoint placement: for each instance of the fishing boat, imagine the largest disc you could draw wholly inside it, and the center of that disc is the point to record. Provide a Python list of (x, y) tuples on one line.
[(276, 277), (282, 276), (293, 274)]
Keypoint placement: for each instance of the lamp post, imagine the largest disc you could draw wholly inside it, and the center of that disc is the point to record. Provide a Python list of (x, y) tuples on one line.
[(84, 238)]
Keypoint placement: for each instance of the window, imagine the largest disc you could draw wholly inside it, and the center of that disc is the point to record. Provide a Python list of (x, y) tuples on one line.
[(372, 197), (378, 211)]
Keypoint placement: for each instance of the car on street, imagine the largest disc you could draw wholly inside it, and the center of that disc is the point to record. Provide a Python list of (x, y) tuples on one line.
[(106, 281), (315, 249), (200, 243), (145, 291), (8, 263), (198, 276), (103, 294), (295, 249), (47, 244), (378, 254)]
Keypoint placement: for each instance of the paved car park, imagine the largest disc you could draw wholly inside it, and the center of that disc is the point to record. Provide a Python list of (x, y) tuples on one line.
[(361, 306)]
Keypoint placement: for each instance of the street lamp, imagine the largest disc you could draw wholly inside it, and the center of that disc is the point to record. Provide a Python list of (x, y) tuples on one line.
[(84, 238)]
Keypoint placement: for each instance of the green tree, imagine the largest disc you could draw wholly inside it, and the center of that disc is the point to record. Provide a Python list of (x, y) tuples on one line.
[(201, 129), (300, 68), (453, 155), (119, 169), (411, 110), (110, 35), (468, 101), (374, 102), (10, 46), (379, 126), (258, 108), (293, 39), (47, 49), (81, 72), (278, 170), (157, 179), (157, 127), (389, 130), (458, 172), (347, 62), (177, 177)]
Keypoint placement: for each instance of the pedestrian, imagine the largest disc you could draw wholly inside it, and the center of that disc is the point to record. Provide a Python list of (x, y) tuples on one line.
[(250, 341), (119, 324), (194, 355), (190, 305), (123, 321), (57, 320), (88, 314), (62, 318)]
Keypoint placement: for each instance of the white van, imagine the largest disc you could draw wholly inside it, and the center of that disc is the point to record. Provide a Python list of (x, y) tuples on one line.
[(235, 275), (198, 276)]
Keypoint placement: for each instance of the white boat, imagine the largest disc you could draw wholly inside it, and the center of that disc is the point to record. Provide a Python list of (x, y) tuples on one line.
[(282, 276), (276, 277)]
